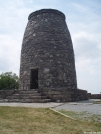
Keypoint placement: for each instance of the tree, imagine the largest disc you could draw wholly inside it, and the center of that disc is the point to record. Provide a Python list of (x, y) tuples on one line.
[(9, 80)]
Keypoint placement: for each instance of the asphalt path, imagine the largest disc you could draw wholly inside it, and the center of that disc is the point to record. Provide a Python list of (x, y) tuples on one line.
[(81, 106)]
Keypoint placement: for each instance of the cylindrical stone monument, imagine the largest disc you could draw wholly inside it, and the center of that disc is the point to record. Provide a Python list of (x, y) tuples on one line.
[(47, 56)]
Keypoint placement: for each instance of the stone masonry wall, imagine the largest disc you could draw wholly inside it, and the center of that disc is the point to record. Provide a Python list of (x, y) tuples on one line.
[(5, 93), (65, 95), (95, 96)]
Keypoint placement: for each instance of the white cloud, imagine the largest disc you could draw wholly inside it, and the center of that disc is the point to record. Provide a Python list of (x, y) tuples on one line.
[(87, 49), (86, 45), (79, 7), (9, 53)]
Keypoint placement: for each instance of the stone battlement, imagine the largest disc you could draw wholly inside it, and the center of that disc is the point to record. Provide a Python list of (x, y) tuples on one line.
[(46, 11)]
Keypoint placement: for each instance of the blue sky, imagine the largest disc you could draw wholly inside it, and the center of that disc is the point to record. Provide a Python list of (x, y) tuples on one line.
[(83, 19)]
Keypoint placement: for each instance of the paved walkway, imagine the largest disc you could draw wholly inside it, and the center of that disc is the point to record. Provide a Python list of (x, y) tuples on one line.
[(34, 105), (81, 106)]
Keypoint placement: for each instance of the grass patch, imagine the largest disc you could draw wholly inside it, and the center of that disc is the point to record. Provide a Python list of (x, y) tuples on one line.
[(20, 120), (97, 102)]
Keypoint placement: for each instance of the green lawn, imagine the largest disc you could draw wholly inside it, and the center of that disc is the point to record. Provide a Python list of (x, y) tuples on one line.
[(97, 102), (20, 120)]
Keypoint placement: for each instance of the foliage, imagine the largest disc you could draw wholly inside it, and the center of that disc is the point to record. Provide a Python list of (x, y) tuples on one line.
[(8, 80)]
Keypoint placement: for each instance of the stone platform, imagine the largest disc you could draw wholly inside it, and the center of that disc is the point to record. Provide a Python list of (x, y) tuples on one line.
[(43, 95), (65, 94)]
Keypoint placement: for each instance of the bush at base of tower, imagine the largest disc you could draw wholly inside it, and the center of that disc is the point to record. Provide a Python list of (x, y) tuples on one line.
[(8, 80)]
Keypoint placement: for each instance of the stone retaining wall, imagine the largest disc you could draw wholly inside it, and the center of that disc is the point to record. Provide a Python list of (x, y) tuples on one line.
[(65, 95), (95, 96), (5, 93), (89, 95)]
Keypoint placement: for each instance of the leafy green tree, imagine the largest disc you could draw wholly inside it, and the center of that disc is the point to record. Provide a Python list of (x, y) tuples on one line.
[(9, 80)]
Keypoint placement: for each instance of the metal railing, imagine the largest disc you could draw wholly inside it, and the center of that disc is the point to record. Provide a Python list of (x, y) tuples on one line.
[(39, 90)]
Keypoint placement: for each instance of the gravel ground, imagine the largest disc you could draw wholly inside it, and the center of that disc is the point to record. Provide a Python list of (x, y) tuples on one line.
[(81, 106), (34, 105)]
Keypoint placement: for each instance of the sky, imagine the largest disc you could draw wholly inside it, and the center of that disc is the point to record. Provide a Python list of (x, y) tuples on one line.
[(83, 18)]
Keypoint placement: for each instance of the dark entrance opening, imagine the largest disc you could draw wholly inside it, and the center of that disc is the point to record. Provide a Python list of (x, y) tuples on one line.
[(34, 79)]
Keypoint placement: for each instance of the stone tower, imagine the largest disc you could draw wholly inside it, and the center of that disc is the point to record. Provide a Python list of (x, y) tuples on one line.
[(47, 56)]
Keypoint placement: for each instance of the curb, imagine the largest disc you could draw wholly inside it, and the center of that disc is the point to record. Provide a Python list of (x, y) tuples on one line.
[(62, 114)]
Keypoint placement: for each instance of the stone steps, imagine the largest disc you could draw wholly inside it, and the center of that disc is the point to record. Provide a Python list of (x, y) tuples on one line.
[(26, 96), (27, 91), (27, 100), (19, 96)]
